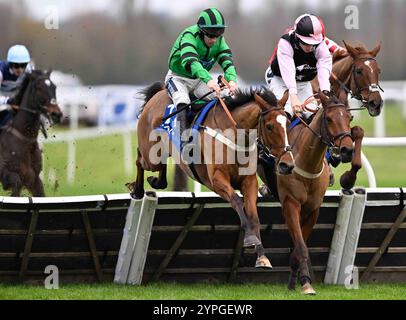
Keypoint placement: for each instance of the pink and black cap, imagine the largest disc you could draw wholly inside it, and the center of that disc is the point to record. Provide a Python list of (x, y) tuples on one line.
[(309, 29)]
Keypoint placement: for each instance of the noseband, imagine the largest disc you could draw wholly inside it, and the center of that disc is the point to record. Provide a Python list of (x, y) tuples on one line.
[(327, 138), (373, 87), (267, 150)]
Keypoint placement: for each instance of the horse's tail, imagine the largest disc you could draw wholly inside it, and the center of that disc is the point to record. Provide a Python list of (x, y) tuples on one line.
[(150, 91)]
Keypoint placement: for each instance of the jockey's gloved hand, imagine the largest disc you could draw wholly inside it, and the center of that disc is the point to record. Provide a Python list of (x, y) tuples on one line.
[(12, 101)]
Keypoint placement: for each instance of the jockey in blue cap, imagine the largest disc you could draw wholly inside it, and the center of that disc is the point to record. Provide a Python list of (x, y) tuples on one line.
[(12, 73)]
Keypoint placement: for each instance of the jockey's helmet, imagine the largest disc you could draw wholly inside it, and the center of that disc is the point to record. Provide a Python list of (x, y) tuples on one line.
[(18, 54), (309, 29), (211, 22)]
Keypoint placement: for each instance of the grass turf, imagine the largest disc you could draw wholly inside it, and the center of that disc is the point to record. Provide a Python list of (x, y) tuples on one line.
[(168, 291)]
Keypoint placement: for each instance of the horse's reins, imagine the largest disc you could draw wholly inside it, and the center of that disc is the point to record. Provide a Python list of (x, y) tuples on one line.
[(37, 111), (330, 143)]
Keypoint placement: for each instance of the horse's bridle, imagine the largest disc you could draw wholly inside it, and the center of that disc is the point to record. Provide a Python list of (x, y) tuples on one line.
[(267, 149), (327, 138), (373, 87), (42, 108)]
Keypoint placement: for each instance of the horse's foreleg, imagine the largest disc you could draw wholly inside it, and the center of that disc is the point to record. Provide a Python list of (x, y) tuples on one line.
[(249, 189), (307, 227), (137, 188), (294, 270), (37, 188), (16, 185), (291, 211), (347, 180)]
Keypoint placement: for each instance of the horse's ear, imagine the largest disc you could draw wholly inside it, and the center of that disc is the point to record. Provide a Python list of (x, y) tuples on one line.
[(324, 99), (350, 49), (374, 51), (261, 102), (282, 102)]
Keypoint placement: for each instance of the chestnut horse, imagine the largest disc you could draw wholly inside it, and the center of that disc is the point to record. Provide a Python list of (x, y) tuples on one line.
[(256, 108), (301, 193), (356, 72), (20, 155)]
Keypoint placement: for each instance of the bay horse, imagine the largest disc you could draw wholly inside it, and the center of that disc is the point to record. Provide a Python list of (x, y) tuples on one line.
[(20, 155), (257, 108), (356, 72), (301, 193)]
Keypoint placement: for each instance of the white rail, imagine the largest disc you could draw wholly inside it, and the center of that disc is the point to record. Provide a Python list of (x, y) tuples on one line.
[(126, 131)]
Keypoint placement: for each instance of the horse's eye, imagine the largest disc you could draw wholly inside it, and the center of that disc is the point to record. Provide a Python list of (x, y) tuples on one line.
[(329, 120), (351, 118), (358, 71), (269, 126)]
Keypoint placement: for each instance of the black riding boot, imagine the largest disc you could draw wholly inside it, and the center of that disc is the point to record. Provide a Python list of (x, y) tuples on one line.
[(181, 118)]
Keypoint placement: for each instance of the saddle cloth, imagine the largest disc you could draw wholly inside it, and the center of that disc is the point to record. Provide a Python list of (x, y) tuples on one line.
[(169, 126)]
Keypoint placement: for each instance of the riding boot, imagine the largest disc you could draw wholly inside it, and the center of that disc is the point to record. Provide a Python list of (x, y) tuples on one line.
[(181, 118), (264, 191), (331, 176)]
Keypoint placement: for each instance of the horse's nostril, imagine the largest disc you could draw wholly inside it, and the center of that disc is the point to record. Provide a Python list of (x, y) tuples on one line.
[(285, 168), (346, 154)]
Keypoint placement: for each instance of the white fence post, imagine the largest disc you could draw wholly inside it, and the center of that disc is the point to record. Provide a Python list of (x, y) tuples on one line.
[(338, 241), (128, 242), (369, 170), (379, 127), (353, 231), (73, 124), (142, 236), (128, 154), (404, 100)]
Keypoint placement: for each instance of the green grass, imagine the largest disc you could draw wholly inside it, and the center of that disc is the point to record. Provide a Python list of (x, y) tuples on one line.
[(169, 291), (100, 162)]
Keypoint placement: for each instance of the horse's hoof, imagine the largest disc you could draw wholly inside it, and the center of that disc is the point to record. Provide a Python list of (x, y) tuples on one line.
[(263, 262), (291, 287), (155, 183), (137, 194), (251, 241), (347, 182), (307, 289)]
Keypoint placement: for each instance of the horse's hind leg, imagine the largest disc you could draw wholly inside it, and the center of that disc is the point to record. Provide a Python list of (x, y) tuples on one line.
[(249, 189), (137, 188), (221, 185), (159, 182), (347, 180)]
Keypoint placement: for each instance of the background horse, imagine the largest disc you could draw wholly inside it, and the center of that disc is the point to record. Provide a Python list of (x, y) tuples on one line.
[(301, 193), (20, 155), (356, 72), (256, 108)]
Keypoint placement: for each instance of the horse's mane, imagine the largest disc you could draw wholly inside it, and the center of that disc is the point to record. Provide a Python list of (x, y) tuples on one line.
[(244, 96), (150, 91), (360, 49), (24, 84)]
